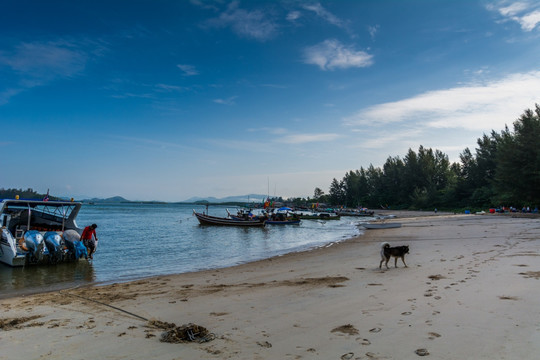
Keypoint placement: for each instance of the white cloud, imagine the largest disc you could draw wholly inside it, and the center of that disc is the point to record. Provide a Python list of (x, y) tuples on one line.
[(228, 101), (325, 14), (308, 138), (373, 30), (513, 9), (331, 54), (189, 70), (270, 130), (39, 62), (251, 24), (530, 21), (474, 107), (526, 13), (293, 15), (168, 88)]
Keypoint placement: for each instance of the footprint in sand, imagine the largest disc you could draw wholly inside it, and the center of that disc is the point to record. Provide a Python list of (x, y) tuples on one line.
[(375, 330), (364, 342), (422, 352)]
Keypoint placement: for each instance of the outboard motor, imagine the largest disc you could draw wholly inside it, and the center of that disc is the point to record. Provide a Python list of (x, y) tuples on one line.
[(35, 244), (53, 241), (75, 247)]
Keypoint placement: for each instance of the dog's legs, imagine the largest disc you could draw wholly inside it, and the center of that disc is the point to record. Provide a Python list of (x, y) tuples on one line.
[(380, 265), (403, 259), (395, 263)]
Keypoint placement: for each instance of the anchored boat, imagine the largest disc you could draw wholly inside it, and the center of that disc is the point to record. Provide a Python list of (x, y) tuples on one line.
[(205, 219), (39, 232)]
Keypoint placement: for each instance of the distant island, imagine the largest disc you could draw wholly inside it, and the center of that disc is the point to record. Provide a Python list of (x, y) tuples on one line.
[(250, 198), (31, 194)]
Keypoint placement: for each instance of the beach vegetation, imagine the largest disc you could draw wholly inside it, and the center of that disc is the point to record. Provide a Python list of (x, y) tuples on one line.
[(503, 170)]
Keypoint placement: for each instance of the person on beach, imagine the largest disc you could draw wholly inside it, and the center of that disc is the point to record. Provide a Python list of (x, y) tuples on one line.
[(89, 239)]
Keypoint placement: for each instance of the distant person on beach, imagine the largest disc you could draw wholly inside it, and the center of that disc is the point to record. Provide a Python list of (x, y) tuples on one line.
[(89, 239)]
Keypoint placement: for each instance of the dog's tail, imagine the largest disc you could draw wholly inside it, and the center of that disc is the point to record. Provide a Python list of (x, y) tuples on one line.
[(384, 245)]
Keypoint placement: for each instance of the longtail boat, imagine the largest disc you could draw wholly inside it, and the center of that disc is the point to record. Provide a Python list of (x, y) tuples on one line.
[(205, 219)]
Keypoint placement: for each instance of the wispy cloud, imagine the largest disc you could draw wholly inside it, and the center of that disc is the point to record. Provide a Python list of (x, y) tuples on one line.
[(270, 130), (329, 17), (475, 107), (35, 64), (373, 30), (168, 88), (308, 138), (293, 16), (318, 9), (45, 61), (332, 54), (228, 101), (150, 143), (188, 70), (526, 13), (253, 24)]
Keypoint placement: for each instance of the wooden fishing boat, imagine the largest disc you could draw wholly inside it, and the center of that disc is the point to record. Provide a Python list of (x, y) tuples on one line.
[(205, 219)]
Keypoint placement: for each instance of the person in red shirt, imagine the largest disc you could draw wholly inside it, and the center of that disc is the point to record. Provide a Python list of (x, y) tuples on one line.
[(89, 239)]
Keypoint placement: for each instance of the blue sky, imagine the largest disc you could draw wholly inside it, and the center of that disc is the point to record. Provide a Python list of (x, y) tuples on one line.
[(165, 100)]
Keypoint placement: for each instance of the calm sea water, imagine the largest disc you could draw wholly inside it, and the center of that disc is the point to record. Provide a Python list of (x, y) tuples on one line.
[(143, 240)]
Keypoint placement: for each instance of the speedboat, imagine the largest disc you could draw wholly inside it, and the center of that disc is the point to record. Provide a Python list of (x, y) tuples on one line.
[(39, 232)]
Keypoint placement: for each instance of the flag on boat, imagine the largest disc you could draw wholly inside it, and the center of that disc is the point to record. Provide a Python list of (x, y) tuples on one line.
[(46, 198)]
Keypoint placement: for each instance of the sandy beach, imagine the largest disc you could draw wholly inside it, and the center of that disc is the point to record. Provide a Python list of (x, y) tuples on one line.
[(470, 291)]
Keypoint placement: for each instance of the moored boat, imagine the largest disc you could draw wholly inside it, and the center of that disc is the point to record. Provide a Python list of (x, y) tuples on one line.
[(205, 219), (33, 231)]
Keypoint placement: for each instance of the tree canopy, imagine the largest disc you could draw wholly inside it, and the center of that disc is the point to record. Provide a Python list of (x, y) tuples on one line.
[(504, 170)]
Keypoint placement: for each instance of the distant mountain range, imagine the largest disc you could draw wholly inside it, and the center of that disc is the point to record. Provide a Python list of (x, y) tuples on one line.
[(114, 199), (257, 198), (250, 198)]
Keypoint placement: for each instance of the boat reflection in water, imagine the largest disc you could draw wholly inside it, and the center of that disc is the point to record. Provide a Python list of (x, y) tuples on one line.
[(32, 279)]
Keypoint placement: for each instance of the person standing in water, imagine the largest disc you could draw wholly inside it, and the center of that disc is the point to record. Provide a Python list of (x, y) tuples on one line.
[(89, 239)]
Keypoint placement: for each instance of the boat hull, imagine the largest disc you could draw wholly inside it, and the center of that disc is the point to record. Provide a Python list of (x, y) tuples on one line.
[(32, 231), (214, 220)]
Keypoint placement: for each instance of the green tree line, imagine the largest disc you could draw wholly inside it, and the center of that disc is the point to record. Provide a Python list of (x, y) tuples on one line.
[(29, 194), (504, 170)]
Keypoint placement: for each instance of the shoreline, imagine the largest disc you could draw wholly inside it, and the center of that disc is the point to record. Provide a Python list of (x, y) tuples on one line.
[(46, 288), (466, 274)]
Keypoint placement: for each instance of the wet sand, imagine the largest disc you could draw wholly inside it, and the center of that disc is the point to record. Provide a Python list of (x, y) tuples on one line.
[(470, 291)]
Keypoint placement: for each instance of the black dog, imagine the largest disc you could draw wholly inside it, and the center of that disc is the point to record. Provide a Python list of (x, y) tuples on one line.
[(397, 252)]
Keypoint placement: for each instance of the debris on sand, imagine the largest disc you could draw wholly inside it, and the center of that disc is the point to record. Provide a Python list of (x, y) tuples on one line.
[(346, 329), (17, 323), (185, 333)]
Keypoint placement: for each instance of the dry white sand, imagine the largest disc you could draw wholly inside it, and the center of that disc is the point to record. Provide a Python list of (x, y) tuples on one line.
[(471, 291)]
